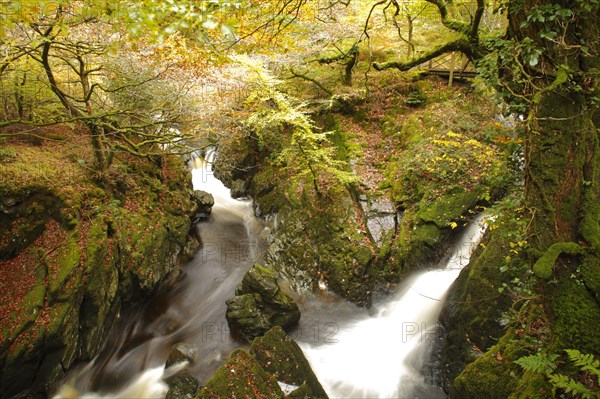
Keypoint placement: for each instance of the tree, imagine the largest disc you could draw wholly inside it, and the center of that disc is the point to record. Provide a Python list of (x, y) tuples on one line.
[(77, 58), (285, 130), (464, 35), (557, 61)]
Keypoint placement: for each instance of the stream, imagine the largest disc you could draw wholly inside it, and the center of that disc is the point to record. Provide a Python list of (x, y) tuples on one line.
[(355, 352)]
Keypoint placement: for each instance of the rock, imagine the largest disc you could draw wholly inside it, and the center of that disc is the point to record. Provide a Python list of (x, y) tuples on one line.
[(205, 202), (274, 362), (67, 304), (260, 304), (183, 387), (239, 189), (346, 103), (181, 353), (245, 316), (241, 377), (281, 356), (381, 218), (191, 247), (10, 201)]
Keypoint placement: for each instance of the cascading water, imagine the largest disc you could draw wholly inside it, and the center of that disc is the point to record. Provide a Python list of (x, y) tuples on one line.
[(192, 310), (382, 355), (355, 353)]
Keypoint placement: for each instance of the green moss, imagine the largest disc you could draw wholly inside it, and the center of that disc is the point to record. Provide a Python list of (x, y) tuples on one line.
[(544, 265), (484, 378), (589, 227), (531, 386), (575, 316), (590, 272), (241, 377), (411, 130), (493, 375), (65, 263), (448, 208), (281, 356)]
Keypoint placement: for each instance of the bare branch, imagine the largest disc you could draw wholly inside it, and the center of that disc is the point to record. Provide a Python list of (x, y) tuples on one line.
[(317, 83)]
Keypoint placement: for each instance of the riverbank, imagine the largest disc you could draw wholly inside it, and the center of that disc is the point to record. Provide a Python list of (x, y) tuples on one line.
[(76, 245)]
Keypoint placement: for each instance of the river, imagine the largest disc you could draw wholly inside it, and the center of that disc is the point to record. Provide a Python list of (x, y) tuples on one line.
[(355, 352)]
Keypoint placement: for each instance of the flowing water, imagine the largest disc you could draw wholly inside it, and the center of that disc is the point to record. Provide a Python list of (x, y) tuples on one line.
[(356, 353), (382, 353), (190, 310)]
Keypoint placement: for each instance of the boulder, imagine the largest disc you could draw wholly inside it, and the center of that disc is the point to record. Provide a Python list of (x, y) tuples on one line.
[(281, 356), (181, 353), (260, 304), (204, 202), (183, 387), (241, 377), (239, 189), (273, 364)]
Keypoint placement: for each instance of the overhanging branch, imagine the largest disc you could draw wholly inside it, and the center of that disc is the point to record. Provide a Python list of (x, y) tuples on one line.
[(459, 45)]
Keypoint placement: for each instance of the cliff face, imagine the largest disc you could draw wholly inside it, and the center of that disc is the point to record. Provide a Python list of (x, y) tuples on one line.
[(74, 246)]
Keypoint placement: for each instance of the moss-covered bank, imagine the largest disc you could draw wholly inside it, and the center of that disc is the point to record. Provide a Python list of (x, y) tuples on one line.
[(74, 246), (432, 162)]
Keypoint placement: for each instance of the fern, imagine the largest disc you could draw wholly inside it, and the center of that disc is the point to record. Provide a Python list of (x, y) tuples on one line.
[(546, 364), (540, 363), (586, 362), (571, 386)]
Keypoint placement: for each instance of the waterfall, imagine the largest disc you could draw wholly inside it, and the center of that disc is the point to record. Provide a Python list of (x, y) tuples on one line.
[(132, 361), (382, 354), (355, 353)]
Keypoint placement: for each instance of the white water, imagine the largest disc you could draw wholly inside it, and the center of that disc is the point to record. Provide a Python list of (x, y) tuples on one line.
[(193, 311), (362, 355), (382, 355)]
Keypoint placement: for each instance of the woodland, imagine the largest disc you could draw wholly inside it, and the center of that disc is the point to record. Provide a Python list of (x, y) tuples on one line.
[(320, 111)]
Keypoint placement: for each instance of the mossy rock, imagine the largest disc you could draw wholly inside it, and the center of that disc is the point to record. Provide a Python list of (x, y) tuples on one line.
[(448, 208), (183, 387), (260, 304), (484, 378), (474, 306), (84, 249), (492, 375), (245, 316), (241, 377), (204, 202), (590, 273), (281, 356)]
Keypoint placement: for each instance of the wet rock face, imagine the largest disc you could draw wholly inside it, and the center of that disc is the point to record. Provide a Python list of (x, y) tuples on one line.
[(260, 304), (181, 353), (183, 387), (204, 202)]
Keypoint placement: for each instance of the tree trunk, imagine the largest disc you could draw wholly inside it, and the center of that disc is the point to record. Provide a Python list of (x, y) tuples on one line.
[(410, 52), (561, 169), (562, 182), (350, 66)]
